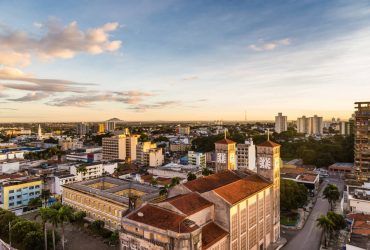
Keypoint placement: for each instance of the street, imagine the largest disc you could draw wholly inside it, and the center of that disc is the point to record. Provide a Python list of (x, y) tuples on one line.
[(309, 237)]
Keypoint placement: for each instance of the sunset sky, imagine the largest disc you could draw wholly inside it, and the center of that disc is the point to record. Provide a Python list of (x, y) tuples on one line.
[(182, 60)]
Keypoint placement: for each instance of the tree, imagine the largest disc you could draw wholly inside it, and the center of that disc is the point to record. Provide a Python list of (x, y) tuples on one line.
[(206, 171), (326, 225), (331, 193), (79, 216), (64, 215), (44, 214), (34, 203), (175, 181), (33, 241), (82, 169), (191, 176), (53, 218), (164, 190), (97, 225), (45, 195), (292, 195), (20, 229), (337, 219)]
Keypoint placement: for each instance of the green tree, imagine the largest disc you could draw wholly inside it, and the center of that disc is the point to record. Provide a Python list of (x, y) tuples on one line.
[(44, 214), (33, 241), (292, 195), (53, 218), (175, 181), (45, 195), (34, 203), (337, 219), (206, 171), (326, 225), (20, 229), (191, 176), (331, 193), (64, 215), (164, 190)]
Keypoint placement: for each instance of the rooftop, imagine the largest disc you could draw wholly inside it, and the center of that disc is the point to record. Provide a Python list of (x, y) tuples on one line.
[(241, 189), (269, 143), (189, 203), (114, 189), (162, 218), (225, 141), (208, 183), (211, 233)]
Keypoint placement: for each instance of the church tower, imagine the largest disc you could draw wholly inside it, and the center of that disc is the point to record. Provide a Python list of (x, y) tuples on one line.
[(39, 133), (225, 155), (268, 165)]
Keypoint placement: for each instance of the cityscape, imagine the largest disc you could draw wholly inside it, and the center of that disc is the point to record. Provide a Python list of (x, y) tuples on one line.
[(200, 125)]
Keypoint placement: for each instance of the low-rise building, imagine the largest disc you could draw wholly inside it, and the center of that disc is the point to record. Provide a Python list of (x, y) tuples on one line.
[(180, 147), (172, 170), (85, 157), (359, 237), (197, 159), (341, 167), (356, 199), (16, 193), (91, 171), (107, 198), (149, 155), (246, 155)]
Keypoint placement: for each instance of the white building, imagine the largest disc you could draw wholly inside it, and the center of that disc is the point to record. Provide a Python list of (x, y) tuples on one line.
[(110, 126), (246, 155), (59, 181), (356, 199), (149, 155), (310, 125), (281, 123), (172, 170), (9, 167), (196, 158), (91, 171)]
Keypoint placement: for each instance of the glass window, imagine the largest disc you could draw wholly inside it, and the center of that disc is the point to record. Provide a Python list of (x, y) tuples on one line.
[(31, 187), (11, 191), (11, 204), (19, 202), (37, 186), (32, 193), (19, 190), (19, 196)]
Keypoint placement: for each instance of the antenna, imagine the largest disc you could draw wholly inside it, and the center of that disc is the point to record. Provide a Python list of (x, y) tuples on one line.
[(268, 134), (245, 116), (225, 132)]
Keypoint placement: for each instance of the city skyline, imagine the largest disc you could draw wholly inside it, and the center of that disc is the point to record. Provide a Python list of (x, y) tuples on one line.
[(182, 60)]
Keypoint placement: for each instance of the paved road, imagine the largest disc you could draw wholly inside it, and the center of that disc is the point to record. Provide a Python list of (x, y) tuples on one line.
[(308, 238)]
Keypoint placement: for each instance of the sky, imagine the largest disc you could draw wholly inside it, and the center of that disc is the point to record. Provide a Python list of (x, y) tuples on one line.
[(182, 60)]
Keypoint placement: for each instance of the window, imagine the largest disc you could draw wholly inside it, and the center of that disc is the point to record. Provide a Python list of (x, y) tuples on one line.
[(243, 242), (32, 193), (260, 209), (19, 190), (243, 220), (19, 196), (31, 187), (11, 191), (37, 186), (252, 215), (37, 192), (11, 204), (260, 230), (11, 198), (234, 226), (19, 202), (252, 237)]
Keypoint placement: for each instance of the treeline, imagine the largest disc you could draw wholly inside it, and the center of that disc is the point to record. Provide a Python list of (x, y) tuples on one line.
[(43, 155)]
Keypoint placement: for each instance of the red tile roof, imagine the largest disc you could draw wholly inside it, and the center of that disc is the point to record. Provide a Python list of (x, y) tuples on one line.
[(211, 234), (269, 144), (162, 218), (359, 216), (225, 141), (190, 203), (241, 189), (208, 183)]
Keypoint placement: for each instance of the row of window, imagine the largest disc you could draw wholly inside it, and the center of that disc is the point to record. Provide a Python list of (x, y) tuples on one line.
[(20, 196), (20, 190)]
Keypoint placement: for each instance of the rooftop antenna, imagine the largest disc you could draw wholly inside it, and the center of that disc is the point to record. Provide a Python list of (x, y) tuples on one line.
[(225, 133), (268, 134)]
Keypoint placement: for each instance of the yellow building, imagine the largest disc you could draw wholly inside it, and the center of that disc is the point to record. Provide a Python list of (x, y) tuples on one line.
[(16, 194), (101, 128), (107, 198)]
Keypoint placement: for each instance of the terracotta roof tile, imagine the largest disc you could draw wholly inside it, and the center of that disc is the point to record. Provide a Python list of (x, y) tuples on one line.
[(163, 219), (189, 203), (241, 189), (211, 234), (225, 141), (269, 144), (208, 183)]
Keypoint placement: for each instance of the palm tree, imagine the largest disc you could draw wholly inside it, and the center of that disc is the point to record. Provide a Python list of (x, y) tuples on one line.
[(54, 220), (65, 214), (45, 195), (44, 214), (326, 225), (164, 190), (331, 193)]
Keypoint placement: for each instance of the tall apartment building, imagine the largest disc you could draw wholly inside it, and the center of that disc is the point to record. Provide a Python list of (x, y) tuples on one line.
[(149, 155), (131, 143), (110, 126), (362, 139), (82, 129), (225, 153), (310, 125), (114, 147), (246, 155), (281, 123), (197, 159), (228, 210)]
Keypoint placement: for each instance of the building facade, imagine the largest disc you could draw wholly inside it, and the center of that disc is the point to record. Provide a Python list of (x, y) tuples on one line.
[(225, 155), (114, 147), (362, 139), (281, 123), (310, 125), (246, 155), (197, 159)]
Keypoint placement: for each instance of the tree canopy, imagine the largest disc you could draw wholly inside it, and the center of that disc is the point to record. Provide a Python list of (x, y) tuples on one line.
[(292, 195)]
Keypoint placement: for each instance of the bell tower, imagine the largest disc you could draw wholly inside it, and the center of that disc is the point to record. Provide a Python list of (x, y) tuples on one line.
[(268, 165), (225, 155)]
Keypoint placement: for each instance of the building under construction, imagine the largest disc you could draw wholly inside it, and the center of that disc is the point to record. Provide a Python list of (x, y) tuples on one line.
[(362, 140)]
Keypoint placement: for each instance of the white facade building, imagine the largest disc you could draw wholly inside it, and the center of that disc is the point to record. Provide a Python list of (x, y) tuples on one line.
[(196, 158), (281, 123), (246, 155)]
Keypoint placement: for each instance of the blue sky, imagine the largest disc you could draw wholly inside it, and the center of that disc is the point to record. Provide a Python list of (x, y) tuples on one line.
[(182, 60)]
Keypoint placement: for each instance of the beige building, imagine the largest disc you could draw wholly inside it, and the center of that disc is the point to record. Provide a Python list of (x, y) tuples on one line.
[(225, 155), (131, 144), (246, 155), (107, 198), (114, 147), (310, 125), (149, 155), (183, 130), (281, 123), (179, 147)]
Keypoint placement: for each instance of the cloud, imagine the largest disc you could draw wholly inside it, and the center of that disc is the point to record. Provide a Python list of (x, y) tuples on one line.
[(58, 41), (156, 105), (125, 97), (190, 78), (8, 109), (265, 46), (34, 96)]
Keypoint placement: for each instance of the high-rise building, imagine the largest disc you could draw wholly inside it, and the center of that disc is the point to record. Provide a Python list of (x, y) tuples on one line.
[(197, 159), (114, 148), (281, 123), (362, 139), (183, 130), (101, 128), (82, 129), (246, 155), (110, 126), (39, 133), (310, 125), (268, 165), (225, 154), (131, 143)]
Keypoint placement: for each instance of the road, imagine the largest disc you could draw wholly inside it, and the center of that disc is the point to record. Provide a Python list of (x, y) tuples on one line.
[(309, 237)]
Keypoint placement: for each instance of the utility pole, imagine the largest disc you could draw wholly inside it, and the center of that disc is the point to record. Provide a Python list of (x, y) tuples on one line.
[(10, 237)]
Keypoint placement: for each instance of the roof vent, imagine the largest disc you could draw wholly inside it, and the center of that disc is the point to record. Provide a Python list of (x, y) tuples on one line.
[(140, 214)]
